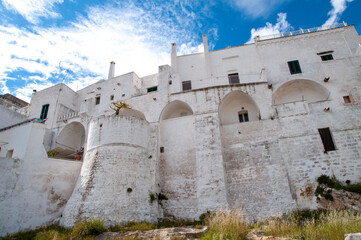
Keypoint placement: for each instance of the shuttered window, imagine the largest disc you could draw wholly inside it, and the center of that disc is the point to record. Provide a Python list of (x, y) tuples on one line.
[(294, 67), (44, 111), (233, 78), (327, 140), (186, 85)]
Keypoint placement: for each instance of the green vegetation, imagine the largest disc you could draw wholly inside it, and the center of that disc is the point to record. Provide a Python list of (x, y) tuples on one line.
[(333, 182), (152, 197), (225, 224), (52, 153), (330, 225)]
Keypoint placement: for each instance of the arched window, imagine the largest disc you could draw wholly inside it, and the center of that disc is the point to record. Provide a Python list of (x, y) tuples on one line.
[(238, 107), (176, 109), (300, 90)]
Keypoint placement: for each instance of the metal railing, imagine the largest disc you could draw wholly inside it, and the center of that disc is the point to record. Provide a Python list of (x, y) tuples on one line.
[(301, 31)]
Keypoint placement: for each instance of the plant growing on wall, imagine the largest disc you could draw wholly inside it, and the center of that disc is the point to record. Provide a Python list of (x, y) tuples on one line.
[(119, 106), (52, 153)]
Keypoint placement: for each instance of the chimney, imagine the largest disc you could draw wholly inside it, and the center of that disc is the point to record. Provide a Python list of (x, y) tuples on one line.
[(205, 43), (173, 60), (111, 70)]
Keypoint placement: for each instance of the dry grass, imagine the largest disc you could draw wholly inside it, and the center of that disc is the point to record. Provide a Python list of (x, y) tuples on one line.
[(329, 225), (227, 224)]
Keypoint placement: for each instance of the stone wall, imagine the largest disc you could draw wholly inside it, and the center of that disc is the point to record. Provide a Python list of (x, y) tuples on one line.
[(115, 180)]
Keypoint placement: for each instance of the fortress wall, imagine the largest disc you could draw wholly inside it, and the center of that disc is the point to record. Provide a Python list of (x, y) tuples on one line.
[(256, 177), (304, 155), (117, 159), (272, 164), (177, 167), (33, 188)]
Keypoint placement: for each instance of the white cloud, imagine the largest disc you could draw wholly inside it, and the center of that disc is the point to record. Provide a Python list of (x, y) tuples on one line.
[(136, 39), (282, 25), (338, 7), (256, 8), (3, 88), (32, 10)]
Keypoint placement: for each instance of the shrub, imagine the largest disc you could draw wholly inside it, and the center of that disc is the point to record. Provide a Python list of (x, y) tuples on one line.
[(90, 227), (336, 184), (129, 190), (152, 197), (162, 197)]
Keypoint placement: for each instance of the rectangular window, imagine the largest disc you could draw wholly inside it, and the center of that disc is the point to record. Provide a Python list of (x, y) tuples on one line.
[(233, 78), (294, 67), (327, 140), (10, 153), (97, 100), (44, 111), (243, 116), (161, 149), (152, 89), (327, 57), (347, 99), (186, 85), (111, 97)]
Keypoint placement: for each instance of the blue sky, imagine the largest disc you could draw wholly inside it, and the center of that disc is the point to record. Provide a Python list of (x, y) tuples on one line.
[(45, 42)]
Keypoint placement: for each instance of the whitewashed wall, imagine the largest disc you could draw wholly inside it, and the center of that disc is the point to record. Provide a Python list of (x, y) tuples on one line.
[(33, 188)]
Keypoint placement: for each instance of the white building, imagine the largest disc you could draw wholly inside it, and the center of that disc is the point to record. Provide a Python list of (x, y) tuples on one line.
[(251, 126)]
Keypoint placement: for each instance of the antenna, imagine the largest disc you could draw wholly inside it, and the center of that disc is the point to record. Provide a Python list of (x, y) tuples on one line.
[(60, 70)]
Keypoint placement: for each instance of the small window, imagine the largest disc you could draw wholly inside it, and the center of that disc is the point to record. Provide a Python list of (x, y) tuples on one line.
[(10, 153), (97, 100), (111, 97), (348, 100), (152, 89), (294, 67), (161, 149), (44, 111), (233, 78), (327, 57), (243, 116), (186, 85), (327, 140)]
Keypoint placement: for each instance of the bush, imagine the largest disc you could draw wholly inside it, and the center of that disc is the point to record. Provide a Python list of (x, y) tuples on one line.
[(356, 188), (91, 227), (336, 184)]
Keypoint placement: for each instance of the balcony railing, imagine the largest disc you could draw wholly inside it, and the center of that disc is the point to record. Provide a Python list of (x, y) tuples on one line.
[(301, 31), (68, 116)]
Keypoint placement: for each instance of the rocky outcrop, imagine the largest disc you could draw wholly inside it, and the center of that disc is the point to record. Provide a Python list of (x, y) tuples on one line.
[(165, 233), (339, 200), (260, 235)]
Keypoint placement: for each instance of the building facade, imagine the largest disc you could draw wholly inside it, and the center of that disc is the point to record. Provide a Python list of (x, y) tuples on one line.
[(247, 127)]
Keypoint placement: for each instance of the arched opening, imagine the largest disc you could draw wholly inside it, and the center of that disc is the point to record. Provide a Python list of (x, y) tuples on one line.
[(238, 107), (177, 159), (176, 109), (131, 112), (300, 90), (70, 142)]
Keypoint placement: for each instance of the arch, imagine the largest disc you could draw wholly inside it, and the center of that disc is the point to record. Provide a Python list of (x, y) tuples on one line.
[(70, 140), (300, 90), (176, 109), (132, 112), (237, 103)]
